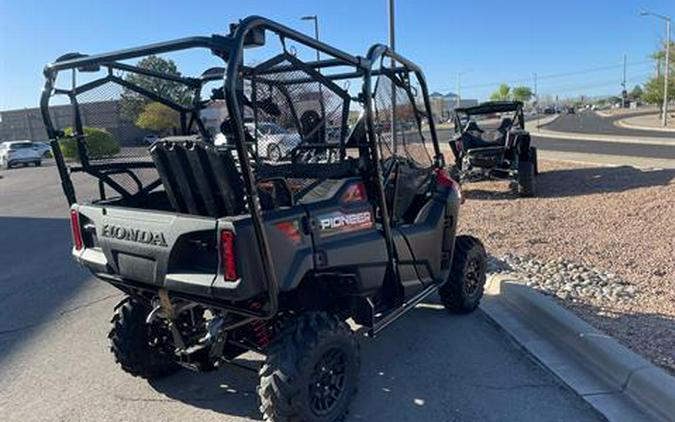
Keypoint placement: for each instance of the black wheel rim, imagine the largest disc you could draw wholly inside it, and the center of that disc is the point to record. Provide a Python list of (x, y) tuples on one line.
[(328, 382), (472, 278)]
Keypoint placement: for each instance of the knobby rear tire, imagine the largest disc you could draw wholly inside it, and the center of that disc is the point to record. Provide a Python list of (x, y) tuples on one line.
[(287, 378), (130, 338)]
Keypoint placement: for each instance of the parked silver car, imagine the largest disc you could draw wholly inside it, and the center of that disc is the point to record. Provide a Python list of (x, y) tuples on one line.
[(19, 152)]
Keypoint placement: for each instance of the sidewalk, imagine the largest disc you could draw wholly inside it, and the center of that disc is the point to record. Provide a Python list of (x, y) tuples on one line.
[(606, 159), (648, 122)]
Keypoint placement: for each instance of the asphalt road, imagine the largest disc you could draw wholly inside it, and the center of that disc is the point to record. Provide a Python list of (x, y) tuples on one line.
[(591, 146), (592, 123), (55, 364)]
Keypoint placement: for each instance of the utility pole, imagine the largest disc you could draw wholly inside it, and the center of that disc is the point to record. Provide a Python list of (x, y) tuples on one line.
[(314, 18), (392, 47), (624, 93), (459, 89), (666, 73), (536, 97), (666, 76)]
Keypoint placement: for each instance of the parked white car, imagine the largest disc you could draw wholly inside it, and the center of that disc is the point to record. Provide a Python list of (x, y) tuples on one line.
[(19, 152), (274, 142), (43, 148)]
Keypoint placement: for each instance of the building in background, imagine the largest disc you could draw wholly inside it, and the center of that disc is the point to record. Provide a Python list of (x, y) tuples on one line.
[(27, 123), (442, 105)]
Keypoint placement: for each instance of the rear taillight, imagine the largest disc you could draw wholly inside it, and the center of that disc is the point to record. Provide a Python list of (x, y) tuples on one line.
[(443, 179), (227, 258), (77, 230)]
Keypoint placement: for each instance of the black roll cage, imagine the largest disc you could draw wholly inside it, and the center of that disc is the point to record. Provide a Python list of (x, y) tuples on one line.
[(230, 48), (490, 107)]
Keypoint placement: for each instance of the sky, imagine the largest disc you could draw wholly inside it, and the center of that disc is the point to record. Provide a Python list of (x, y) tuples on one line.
[(575, 47)]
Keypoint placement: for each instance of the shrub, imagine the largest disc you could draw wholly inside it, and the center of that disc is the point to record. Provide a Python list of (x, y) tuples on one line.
[(100, 143)]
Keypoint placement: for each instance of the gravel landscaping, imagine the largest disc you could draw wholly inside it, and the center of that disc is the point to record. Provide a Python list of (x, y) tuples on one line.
[(599, 239)]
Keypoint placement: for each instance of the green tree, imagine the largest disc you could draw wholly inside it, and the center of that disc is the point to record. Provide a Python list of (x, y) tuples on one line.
[(502, 93), (159, 118), (100, 143), (522, 93), (653, 90), (636, 93), (132, 103)]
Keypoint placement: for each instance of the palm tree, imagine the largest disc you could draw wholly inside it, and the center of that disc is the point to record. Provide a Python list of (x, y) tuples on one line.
[(502, 93), (658, 56)]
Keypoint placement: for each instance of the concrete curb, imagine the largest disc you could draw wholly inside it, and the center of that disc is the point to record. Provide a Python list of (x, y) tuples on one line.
[(606, 160), (601, 138), (617, 382), (623, 123)]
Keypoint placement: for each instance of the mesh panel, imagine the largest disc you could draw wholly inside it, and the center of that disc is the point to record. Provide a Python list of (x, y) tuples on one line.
[(404, 133), (294, 118), (120, 124), (112, 136)]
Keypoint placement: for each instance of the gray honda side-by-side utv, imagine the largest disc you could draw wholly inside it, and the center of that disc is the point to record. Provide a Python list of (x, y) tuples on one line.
[(296, 195)]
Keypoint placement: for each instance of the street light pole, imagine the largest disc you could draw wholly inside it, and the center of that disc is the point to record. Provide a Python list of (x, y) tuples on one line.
[(666, 73), (392, 47), (314, 18)]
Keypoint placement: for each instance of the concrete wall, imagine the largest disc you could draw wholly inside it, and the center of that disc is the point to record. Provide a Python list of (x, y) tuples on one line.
[(27, 123)]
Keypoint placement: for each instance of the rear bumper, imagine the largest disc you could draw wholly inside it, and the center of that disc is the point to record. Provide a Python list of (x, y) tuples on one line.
[(154, 250)]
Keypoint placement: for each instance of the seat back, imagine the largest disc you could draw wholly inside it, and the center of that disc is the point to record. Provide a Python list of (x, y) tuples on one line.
[(198, 178)]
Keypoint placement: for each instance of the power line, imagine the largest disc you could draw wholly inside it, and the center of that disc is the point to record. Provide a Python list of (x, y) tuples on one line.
[(555, 75), (569, 88)]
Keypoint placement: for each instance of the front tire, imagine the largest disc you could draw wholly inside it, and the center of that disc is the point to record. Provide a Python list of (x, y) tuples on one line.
[(311, 371), (526, 171), (533, 156), (131, 340), (463, 290)]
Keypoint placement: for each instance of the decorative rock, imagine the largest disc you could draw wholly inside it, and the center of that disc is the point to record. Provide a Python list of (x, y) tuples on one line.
[(564, 279)]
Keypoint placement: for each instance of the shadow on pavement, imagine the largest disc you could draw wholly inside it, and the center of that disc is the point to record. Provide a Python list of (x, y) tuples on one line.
[(429, 366), (230, 391), (582, 181), (38, 279)]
